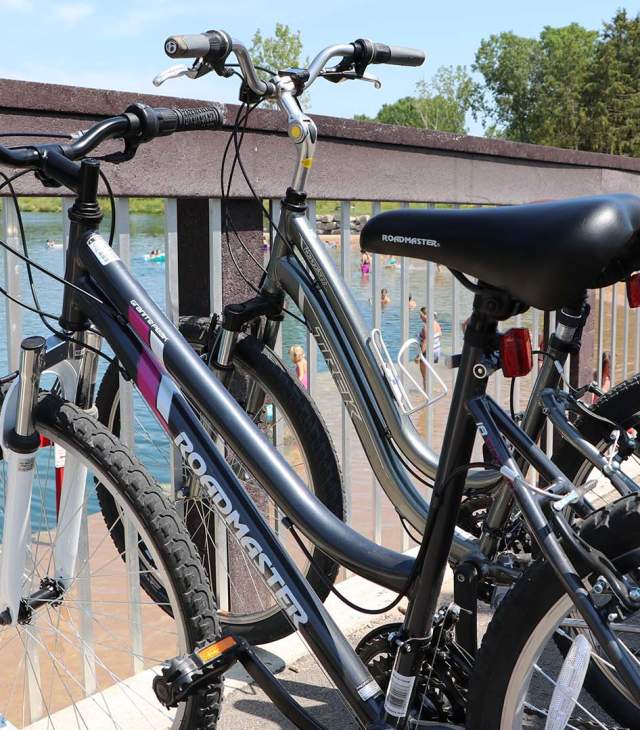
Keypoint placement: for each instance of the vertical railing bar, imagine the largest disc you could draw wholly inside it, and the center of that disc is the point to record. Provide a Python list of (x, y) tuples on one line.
[(215, 305), (636, 360), (33, 680), (377, 322), (345, 265), (215, 255), (131, 540), (12, 275), (535, 342), (456, 332), (311, 346), (123, 244), (431, 271), (172, 311), (66, 223), (404, 306), (614, 320), (549, 439), (516, 387), (83, 581), (275, 216), (34, 693), (430, 298), (600, 334), (625, 343), (277, 432), (127, 436), (404, 336)]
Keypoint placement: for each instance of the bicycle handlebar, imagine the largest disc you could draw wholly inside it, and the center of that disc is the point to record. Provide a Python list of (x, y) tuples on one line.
[(395, 55), (214, 46), (140, 123)]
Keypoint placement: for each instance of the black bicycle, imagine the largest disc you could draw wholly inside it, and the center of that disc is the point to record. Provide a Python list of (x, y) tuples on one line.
[(577, 631), (239, 348)]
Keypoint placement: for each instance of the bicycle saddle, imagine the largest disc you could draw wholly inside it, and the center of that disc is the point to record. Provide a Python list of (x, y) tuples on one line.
[(543, 254)]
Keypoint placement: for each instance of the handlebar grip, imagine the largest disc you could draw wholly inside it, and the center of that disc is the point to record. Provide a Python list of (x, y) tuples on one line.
[(397, 55), (214, 45), (188, 120)]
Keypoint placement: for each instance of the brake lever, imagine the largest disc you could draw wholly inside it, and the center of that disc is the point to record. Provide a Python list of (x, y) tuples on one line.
[(336, 76), (174, 72)]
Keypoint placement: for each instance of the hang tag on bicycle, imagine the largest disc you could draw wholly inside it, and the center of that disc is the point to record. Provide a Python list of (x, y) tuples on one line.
[(397, 374)]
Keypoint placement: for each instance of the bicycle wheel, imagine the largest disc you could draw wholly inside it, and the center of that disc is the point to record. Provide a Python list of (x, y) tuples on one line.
[(288, 417), (88, 659), (620, 405), (520, 656)]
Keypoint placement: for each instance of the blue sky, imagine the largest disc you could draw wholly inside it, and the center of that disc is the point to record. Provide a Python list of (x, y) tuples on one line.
[(117, 44)]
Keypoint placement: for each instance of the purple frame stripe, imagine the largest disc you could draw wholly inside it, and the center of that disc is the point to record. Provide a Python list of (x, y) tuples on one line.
[(139, 326), (148, 378)]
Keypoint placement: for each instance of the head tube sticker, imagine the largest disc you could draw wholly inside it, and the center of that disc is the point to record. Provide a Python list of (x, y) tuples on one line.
[(103, 252)]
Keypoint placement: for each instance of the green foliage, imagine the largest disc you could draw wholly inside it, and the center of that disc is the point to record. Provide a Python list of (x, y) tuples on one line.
[(440, 104), (508, 63), (54, 205), (281, 50), (570, 87), (612, 94)]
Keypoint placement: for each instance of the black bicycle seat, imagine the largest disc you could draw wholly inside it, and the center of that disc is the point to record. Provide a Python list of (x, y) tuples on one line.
[(543, 254)]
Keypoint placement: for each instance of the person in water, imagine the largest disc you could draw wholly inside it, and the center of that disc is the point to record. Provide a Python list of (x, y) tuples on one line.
[(605, 379), (437, 337), (412, 302), (299, 359), (365, 262), (385, 297)]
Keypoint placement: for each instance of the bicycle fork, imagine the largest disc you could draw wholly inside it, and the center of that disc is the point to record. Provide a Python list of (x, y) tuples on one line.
[(19, 594)]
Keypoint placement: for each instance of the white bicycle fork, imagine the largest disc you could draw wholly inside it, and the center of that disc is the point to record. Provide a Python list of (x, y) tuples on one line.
[(20, 445)]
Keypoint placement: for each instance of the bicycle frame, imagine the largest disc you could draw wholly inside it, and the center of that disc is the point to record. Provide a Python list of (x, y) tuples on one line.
[(155, 354), (334, 320)]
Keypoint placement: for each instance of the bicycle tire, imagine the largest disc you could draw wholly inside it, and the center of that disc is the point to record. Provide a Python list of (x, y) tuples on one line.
[(259, 363), (521, 617), (166, 539)]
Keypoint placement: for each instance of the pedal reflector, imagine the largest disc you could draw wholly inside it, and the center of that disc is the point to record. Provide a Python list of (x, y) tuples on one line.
[(213, 651), (569, 684)]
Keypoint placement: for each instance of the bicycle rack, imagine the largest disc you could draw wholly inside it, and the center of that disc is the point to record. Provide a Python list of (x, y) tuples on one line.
[(393, 377)]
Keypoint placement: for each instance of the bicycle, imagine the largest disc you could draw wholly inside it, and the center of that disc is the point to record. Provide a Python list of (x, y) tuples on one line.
[(71, 607), (100, 290), (489, 707), (240, 346)]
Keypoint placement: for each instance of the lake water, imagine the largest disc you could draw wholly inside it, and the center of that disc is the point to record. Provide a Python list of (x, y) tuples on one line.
[(147, 232)]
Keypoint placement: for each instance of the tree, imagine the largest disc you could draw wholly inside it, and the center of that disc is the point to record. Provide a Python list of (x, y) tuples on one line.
[(507, 63), (280, 51), (440, 104), (534, 88), (570, 87), (612, 93), (565, 59)]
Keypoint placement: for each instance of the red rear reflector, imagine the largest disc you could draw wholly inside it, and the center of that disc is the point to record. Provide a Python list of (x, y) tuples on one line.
[(633, 290), (516, 352)]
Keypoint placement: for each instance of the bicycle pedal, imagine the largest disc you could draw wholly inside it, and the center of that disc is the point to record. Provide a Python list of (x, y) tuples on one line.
[(182, 675)]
